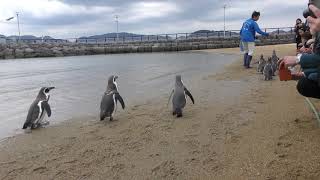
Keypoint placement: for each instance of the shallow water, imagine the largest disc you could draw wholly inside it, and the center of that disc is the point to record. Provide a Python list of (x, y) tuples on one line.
[(80, 81)]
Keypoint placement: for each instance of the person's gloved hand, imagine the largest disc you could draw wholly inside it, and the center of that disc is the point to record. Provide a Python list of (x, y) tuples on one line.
[(314, 23)]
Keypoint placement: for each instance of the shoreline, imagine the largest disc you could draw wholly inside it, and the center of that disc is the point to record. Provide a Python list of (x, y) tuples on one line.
[(18, 51), (240, 127)]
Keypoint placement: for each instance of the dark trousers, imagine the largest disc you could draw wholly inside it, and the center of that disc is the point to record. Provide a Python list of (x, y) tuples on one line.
[(298, 41), (308, 88)]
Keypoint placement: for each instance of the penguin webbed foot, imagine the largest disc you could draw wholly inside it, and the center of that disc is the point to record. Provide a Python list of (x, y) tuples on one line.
[(34, 126), (43, 124), (179, 115), (111, 118), (27, 130)]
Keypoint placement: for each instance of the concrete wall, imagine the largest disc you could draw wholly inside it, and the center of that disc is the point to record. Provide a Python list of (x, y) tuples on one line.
[(11, 51)]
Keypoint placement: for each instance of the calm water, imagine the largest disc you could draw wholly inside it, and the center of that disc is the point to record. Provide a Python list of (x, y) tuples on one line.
[(80, 81)]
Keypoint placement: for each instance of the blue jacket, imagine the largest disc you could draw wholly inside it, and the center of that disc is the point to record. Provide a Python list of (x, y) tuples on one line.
[(249, 29)]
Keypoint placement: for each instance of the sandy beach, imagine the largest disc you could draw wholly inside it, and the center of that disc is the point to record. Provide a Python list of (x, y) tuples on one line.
[(241, 127)]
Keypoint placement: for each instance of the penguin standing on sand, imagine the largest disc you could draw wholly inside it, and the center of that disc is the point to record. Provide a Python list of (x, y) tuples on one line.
[(110, 98), (38, 109), (179, 98)]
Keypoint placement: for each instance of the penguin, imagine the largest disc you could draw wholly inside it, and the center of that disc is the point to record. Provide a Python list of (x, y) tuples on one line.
[(179, 97), (110, 98), (38, 109), (261, 64), (274, 56), (275, 60), (267, 70)]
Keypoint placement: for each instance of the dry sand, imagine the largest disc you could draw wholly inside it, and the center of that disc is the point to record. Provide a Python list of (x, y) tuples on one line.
[(241, 127)]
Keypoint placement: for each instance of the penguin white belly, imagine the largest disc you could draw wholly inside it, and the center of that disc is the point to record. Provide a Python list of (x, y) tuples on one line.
[(115, 83), (40, 113), (185, 99), (41, 116)]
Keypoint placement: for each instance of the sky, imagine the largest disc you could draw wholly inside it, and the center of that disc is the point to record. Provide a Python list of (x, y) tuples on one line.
[(76, 18)]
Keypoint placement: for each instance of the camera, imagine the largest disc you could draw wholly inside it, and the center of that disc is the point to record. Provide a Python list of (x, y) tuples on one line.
[(307, 12)]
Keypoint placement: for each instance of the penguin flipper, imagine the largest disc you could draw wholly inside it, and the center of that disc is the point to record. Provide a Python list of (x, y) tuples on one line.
[(119, 98), (189, 94), (46, 106)]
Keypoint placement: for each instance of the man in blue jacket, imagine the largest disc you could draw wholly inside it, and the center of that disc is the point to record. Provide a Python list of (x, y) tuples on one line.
[(247, 34)]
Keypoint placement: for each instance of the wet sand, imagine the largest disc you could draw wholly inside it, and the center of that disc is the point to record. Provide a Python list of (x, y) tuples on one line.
[(241, 127)]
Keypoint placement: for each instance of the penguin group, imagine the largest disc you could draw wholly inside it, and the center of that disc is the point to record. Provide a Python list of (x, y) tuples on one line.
[(40, 107), (268, 68)]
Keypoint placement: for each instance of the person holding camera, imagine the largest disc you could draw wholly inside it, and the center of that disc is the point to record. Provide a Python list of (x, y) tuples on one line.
[(247, 35), (297, 29), (309, 81)]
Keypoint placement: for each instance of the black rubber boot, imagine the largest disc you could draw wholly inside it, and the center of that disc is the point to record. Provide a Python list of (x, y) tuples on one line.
[(245, 59), (249, 58)]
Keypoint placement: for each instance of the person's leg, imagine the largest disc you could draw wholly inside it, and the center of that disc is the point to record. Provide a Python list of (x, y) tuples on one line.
[(308, 88), (298, 41), (251, 47), (245, 55)]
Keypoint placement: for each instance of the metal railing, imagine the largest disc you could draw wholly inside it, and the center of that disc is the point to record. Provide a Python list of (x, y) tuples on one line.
[(154, 38)]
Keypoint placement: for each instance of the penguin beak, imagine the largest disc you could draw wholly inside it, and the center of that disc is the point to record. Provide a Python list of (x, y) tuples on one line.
[(50, 88)]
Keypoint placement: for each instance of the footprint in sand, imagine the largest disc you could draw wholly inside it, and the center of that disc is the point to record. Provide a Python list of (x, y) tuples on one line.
[(190, 143), (191, 160), (166, 169), (154, 155), (164, 143), (191, 135), (304, 124), (195, 127), (232, 138), (211, 164), (135, 145), (40, 169)]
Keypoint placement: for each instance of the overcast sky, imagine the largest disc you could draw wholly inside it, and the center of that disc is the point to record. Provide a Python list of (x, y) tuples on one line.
[(74, 18)]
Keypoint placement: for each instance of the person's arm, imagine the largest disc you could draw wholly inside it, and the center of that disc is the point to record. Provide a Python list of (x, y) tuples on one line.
[(241, 28), (309, 71), (258, 30), (309, 60)]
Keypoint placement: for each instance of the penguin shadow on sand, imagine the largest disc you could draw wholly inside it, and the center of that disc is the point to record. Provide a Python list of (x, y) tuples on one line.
[(110, 98), (38, 110), (179, 97)]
